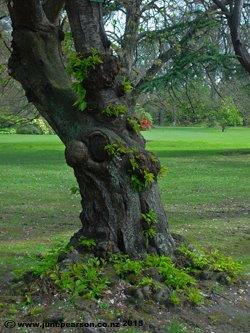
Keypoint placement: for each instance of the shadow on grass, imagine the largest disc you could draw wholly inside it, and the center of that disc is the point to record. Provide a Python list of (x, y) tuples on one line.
[(184, 216), (49, 156), (37, 158), (208, 152)]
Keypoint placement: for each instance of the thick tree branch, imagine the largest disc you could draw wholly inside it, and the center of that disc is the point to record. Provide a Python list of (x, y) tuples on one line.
[(129, 41), (52, 9), (39, 69), (222, 6), (166, 56), (240, 49), (234, 19), (86, 22), (151, 5), (155, 68), (27, 13)]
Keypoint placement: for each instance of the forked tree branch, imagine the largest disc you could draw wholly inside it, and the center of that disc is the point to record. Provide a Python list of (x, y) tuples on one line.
[(86, 22), (233, 17), (52, 9), (27, 13)]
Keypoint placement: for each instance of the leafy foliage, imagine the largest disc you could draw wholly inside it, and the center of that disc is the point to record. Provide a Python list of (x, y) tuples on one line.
[(213, 261), (127, 86), (141, 177), (84, 279), (124, 266), (87, 243), (197, 256), (114, 110), (194, 296), (175, 298), (177, 327), (226, 115), (75, 190), (176, 278), (221, 263), (79, 67), (116, 149), (47, 263), (150, 282), (137, 183), (134, 123), (150, 219), (88, 278)]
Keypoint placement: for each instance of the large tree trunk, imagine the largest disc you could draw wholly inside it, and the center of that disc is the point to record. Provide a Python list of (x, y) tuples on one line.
[(111, 207)]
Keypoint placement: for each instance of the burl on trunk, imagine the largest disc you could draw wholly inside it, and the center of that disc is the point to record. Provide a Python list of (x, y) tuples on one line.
[(117, 177)]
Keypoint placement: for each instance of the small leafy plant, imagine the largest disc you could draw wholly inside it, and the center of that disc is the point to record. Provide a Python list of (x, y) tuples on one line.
[(175, 298), (116, 149), (47, 262), (150, 219), (84, 279), (163, 171), (75, 190), (197, 256), (213, 261), (87, 243), (137, 183), (134, 124), (126, 86), (79, 67), (149, 177), (221, 263), (148, 281), (174, 277), (124, 266), (194, 296), (140, 178), (115, 110)]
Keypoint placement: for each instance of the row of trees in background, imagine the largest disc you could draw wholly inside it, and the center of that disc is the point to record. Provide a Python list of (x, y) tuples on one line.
[(196, 102), (178, 55)]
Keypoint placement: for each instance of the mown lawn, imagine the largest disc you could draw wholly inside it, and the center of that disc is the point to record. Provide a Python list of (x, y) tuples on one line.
[(206, 191)]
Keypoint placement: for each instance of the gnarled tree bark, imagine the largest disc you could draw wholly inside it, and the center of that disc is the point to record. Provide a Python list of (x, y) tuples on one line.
[(111, 208)]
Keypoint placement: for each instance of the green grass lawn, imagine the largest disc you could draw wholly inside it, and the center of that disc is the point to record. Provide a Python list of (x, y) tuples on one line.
[(206, 191)]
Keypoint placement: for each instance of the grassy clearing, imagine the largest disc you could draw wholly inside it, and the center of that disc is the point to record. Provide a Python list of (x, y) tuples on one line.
[(206, 190)]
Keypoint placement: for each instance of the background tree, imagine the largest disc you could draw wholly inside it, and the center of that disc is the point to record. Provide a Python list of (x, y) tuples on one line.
[(161, 42), (233, 11), (14, 107), (226, 115)]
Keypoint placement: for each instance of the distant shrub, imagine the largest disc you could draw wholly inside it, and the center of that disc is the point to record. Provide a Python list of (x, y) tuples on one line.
[(8, 120), (7, 131), (11, 123), (28, 129), (43, 125), (226, 115), (37, 126)]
